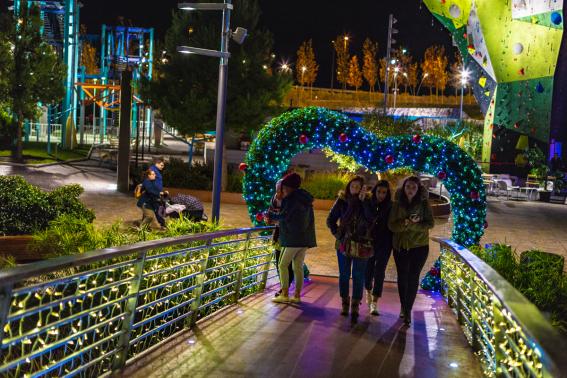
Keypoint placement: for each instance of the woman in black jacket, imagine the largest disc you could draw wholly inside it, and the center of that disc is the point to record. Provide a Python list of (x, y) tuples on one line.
[(349, 213), (377, 208)]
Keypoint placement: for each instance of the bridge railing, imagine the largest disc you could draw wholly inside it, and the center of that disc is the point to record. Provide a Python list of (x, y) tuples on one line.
[(88, 314), (510, 335)]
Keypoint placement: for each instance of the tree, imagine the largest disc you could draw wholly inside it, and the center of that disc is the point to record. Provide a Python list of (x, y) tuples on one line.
[(185, 88), (370, 65), (31, 72), (428, 67), (412, 78), (440, 71), (341, 44), (306, 65), (354, 73)]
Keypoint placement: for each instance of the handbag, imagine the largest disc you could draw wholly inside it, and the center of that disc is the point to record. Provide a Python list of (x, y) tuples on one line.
[(358, 246)]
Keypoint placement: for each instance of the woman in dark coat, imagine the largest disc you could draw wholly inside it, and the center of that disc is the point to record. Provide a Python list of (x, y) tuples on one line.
[(347, 218), (377, 208)]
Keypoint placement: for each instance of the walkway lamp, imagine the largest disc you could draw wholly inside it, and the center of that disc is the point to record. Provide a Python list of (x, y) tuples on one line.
[(239, 35), (425, 74), (464, 80)]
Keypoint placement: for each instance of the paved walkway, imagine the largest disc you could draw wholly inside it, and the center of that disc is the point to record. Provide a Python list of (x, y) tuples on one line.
[(261, 339), (524, 225)]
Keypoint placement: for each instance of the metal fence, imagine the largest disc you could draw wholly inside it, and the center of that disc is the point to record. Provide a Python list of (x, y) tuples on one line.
[(510, 335), (86, 315)]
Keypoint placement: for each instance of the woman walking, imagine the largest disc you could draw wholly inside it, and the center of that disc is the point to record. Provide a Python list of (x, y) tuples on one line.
[(410, 220), (349, 213), (377, 208), (297, 234)]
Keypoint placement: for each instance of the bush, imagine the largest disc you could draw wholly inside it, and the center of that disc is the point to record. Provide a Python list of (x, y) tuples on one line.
[(234, 182), (67, 235), (326, 185), (178, 174), (25, 208), (538, 276)]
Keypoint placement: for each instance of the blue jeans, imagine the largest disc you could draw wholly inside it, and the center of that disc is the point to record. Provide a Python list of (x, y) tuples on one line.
[(358, 268)]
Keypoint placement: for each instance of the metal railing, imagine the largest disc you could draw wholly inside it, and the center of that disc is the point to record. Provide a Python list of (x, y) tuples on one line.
[(88, 314), (510, 335)]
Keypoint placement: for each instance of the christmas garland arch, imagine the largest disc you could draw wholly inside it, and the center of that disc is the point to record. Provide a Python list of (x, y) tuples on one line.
[(313, 128)]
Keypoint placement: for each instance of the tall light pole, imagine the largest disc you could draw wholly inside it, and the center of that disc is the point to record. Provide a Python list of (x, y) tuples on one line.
[(396, 71), (345, 42), (333, 52), (238, 35), (425, 74), (464, 79), (391, 41)]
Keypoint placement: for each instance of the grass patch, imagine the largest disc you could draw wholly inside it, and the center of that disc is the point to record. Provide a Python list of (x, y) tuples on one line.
[(36, 153)]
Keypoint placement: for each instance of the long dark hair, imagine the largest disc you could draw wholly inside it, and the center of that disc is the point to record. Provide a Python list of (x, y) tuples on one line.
[(383, 184), (419, 197), (347, 188)]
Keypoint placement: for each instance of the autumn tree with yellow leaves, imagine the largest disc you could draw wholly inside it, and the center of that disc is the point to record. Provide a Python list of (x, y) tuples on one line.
[(354, 73), (341, 45), (370, 65), (306, 65)]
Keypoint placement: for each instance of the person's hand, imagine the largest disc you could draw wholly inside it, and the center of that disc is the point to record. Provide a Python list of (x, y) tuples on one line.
[(362, 194), (407, 222)]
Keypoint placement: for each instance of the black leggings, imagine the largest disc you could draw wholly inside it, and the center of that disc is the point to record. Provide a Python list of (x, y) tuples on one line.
[(409, 264), (376, 269)]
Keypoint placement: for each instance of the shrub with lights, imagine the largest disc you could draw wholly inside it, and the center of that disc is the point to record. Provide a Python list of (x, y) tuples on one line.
[(309, 128)]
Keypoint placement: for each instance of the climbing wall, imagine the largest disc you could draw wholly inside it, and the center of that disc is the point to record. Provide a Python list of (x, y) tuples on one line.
[(511, 49)]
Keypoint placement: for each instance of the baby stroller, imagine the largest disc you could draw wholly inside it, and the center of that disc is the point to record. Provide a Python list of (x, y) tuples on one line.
[(189, 206)]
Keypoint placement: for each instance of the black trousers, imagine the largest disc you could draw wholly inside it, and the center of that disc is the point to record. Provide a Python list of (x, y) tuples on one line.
[(376, 269), (409, 264), (290, 267)]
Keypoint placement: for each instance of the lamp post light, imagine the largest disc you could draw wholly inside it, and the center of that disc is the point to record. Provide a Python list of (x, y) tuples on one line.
[(333, 52), (238, 36), (396, 71), (464, 79), (425, 74)]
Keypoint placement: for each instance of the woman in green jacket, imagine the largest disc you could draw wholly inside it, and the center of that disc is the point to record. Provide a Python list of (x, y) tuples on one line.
[(410, 220)]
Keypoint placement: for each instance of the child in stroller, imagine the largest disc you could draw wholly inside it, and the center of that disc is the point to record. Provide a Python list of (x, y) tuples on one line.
[(183, 204)]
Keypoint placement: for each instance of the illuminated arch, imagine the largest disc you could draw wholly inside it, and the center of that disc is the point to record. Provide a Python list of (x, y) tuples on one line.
[(312, 128)]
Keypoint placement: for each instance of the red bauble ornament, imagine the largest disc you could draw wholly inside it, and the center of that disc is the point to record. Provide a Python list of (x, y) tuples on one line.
[(516, 125), (242, 166), (474, 195), (493, 157), (416, 138), (389, 159), (522, 72), (343, 137), (303, 139), (259, 217), (441, 175)]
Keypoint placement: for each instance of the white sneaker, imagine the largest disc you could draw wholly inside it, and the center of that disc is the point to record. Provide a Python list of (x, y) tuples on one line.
[(281, 299), (374, 308), (368, 297), (295, 300)]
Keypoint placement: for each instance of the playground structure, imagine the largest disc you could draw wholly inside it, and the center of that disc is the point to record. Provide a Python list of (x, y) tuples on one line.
[(121, 48), (510, 51)]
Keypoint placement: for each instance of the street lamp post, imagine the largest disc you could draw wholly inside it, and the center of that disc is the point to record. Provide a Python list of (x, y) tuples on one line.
[(464, 78), (421, 82), (238, 35), (396, 71), (333, 52)]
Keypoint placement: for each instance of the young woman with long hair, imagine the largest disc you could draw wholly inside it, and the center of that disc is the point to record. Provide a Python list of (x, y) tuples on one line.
[(377, 208), (347, 218), (410, 220)]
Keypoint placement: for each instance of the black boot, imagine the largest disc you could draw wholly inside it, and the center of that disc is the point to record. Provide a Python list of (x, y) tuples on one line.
[(407, 318), (354, 307), (346, 304)]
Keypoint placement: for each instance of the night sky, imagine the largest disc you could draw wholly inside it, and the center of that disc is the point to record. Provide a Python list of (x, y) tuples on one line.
[(293, 21)]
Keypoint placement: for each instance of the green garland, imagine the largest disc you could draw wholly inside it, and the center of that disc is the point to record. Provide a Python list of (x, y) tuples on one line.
[(309, 128)]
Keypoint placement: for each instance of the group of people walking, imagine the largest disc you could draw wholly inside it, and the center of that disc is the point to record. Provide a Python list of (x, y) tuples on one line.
[(367, 225)]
